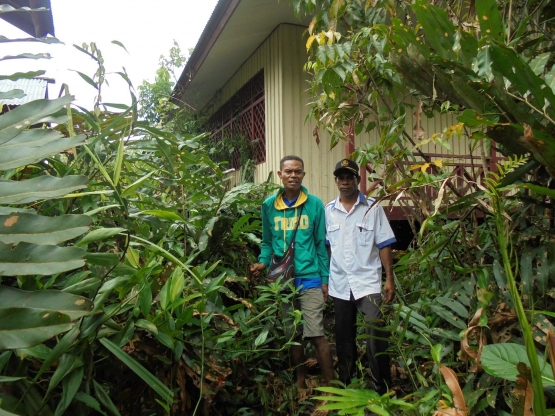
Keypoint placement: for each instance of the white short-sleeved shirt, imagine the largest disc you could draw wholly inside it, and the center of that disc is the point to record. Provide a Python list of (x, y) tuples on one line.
[(355, 239)]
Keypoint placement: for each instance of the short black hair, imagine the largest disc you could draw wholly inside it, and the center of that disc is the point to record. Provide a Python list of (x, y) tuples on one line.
[(290, 157)]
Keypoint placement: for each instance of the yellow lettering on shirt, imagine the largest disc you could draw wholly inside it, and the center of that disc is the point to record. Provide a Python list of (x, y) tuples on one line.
[(289, 224), (278, 223)]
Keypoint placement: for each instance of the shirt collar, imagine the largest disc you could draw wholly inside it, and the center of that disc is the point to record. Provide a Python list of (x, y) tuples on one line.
[(361, 200)]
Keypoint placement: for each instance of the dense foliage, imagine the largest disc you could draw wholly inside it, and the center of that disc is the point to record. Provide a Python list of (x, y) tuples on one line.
[(124, 251), (124, 254), (475, 290)]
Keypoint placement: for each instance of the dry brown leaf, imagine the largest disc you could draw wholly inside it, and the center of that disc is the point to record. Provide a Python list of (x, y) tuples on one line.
[(418, 131), (528, 134), (182, 382), (478, 333), (550, 346), (501, 325), (316, 136), (453, 384), (523, 394), (450, 411)]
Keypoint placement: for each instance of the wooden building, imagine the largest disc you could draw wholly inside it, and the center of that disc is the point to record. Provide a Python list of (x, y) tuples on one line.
[(246, 75)]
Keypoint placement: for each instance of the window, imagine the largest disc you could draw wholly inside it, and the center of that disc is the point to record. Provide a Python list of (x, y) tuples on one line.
[(242, 121)]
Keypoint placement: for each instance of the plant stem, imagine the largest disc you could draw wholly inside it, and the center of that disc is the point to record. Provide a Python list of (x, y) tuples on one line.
[(503, 241)]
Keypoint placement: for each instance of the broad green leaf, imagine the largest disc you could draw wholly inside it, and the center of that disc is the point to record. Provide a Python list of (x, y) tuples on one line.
[(4, 357), (177, 284), (436, 353), (102, 259), (32, 228), (142, 372), (550, 79), (149, 326), (439, 30), (473, 119), (5, 379), (24, 328), (100, 209), (484, 64), (500, 360), (167, 215), (85, 286), (538, 63), (46, 300), (61, 348), (31, 146), (145, 299), (166, 150), (32, 138), (70, 385), (261, 338), (455, 306), (89, 401), (27, 56), (40, 352), (23, 75), (538, 189), (119, 161), (130, 190), (448, 316), (99, 165), (68, 362), (22, 117), (512, 66), (12, 94), (6, 413), (11, 210), (206, 233), (87, 79), (116, 42), (41, 187), (48, 40), (100, 234), (491, 25), (132, 257), (27, 258), (104, 399)]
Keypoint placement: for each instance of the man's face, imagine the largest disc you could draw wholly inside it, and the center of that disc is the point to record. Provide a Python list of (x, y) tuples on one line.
[(292, 174), (347, 183)]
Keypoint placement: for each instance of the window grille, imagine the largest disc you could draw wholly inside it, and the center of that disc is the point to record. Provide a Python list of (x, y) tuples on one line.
[(243, 115)]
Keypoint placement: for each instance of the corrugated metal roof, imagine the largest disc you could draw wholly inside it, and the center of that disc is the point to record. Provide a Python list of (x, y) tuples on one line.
[(33, 88)]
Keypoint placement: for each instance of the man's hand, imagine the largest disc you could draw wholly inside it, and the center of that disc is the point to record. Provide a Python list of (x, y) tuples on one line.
[(325, 292), (389, 290), (256, 269)]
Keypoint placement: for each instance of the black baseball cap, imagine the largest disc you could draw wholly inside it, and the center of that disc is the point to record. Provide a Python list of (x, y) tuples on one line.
[(346, 165)]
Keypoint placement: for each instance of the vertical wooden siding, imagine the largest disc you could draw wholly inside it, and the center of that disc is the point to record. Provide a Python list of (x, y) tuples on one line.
[(282, 57), (298, 136)]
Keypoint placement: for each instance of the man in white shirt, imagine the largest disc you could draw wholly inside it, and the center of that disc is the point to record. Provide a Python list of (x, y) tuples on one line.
[(359, 238)]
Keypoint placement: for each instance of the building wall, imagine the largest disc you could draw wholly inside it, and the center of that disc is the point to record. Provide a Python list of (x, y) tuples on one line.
[(282, 57)]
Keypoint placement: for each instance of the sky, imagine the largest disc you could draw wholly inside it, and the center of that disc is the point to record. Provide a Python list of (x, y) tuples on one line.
[(146, 28)]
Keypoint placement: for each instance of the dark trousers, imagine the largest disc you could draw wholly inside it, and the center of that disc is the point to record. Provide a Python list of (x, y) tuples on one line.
[(376, 343)]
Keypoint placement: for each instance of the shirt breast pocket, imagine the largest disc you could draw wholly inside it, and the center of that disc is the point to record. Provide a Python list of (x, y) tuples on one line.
[(365, 234), (332, 234)]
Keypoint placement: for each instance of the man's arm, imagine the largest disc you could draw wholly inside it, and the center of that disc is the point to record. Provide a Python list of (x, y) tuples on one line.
[(319, 235), (387, 261)]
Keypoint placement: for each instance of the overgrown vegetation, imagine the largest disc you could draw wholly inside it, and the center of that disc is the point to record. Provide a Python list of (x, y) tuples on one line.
[(124, 251), (475, 290)]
